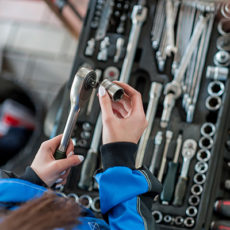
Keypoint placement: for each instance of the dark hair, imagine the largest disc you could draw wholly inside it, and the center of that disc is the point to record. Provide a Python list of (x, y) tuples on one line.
[(47, 212)]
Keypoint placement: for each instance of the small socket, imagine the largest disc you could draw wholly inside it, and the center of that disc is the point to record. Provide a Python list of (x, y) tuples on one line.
[(114, 90), (199, 178), (85, 201), (189, 222), (86, 126), (194, 200), (213, 103), (196, 189), (206, 142), (179, 220), (74, 197), (208, 129), (201, 167), (216, 88), (168, 219), (157, 216), (203, 155), (191, 211), (96, 204)]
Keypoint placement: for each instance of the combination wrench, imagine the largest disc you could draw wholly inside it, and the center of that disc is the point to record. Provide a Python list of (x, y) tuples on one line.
[(138, 16), (188, 152)]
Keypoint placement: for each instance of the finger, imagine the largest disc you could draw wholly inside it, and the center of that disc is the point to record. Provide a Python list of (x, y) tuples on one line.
[(52, 144), (105, 103), (126, 102), (69, 162), (70, 148), (119, 108)]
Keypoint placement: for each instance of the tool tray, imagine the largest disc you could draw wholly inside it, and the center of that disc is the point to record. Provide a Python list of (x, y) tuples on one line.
[(145, 71)]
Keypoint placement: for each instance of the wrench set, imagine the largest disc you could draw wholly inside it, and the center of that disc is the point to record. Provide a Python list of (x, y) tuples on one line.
[(177, 54)]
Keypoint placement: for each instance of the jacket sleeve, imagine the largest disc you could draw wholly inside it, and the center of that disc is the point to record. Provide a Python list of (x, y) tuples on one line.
[(126, 194)]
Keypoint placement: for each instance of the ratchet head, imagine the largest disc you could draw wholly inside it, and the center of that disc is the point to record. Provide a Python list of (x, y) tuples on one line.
[(189, 148), (83, 83)]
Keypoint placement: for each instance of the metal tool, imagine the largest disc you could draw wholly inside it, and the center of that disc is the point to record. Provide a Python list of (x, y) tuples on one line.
[(138, 16), (96, 204), (89, 164), (223, 26), (188, 151), (179, 220), (85, 201), (169, 135), (119, 46), (222, 58), (85, 135), (170, 179), (220, 225), (203, 155), (168, 219), (82, 143), (201, 167), (115, 91), (199, 178), (225, 10), (103, 53), (213, 103), (217, 73), (208, 129), (83, 83), (194, 200), (222, 207), (157, 216), (157, 143), (206, 142), (191, 211), (104, 20), (93, 94), (189, 222), (154, 95), (90, 47), (216, 88), (74, 196), (196, 189), (86, 126), (223, 43)]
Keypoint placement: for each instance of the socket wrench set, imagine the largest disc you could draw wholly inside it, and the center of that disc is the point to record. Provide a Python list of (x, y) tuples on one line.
[(176, 53)]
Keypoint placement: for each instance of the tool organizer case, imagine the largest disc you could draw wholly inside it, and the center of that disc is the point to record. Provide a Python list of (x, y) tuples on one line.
[(145, 71)]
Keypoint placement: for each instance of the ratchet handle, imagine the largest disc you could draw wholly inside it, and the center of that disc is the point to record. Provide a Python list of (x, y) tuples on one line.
[(220, 225), (180, 191), (59, 155), (223, 207), (87, 170), (169, 183)]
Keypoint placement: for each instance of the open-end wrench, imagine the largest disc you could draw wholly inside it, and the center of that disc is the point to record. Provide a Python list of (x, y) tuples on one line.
[(188, 152), (157, 142), (154, 96), (138, 16), (169, 135), (83, 83)]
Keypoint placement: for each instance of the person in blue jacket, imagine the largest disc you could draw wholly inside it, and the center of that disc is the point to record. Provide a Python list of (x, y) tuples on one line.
[(126, 193)]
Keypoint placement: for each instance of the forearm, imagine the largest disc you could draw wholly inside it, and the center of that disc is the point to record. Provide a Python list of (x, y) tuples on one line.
[(126, 194)]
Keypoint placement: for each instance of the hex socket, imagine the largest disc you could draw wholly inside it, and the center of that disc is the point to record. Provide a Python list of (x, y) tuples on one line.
[(216, 88), (189, 222), (203, 155), (213, 103), (199, 178), (206, 142), (194, 200), (115, 91), (196, 189), (85, 201), (208, 129), (157, 216)]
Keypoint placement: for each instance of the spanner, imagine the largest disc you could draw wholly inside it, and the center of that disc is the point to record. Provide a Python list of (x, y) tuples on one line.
[(138, 16), (154, 95), (169, 135), (188, 152)]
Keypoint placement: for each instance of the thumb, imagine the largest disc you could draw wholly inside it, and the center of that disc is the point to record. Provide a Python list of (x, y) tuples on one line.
[(70, 161), (105, 103)]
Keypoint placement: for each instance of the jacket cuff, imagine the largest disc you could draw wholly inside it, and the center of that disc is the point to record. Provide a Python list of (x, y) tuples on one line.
[(118, 154), (32, 177)]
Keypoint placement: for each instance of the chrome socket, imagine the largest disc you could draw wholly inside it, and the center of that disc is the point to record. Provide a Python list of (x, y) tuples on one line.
[(85, 201), (223, 26), (194, 200), (217, 73), (222, 58), (82, 143), (189, 222), (96, 204), (199, 178), (179, 220), (208, 129), (196, 189), (86, 126), (223, 43), (216, 88), (168, 219), (115, 91), (201, 167), (74, 197), (205, 142), (203, 155), (191, 211), (213, 103), (157, 216)]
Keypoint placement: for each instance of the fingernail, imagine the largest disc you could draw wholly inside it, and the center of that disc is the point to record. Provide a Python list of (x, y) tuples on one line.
[(70, 154), (59, 187), (101, 91), (80, 157), (59, 180), (62, 173)]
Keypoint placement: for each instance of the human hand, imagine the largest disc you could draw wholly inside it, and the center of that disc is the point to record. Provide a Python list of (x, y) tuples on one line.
[(123, 121), (50, 170)]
